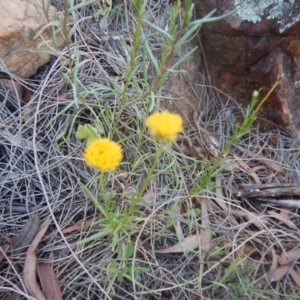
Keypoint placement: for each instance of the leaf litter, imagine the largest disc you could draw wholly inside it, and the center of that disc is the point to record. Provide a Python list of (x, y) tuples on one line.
[(49, 282), (284, 265), (223, 212), (189, 243), (26, 235), (30, 265)]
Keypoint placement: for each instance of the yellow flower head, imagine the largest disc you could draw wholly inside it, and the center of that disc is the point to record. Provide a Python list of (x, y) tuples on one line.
[(103, 154), (164, 126)]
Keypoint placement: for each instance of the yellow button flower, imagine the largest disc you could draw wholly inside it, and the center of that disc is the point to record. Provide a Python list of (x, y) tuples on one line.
[(164, 126), (103, 154)]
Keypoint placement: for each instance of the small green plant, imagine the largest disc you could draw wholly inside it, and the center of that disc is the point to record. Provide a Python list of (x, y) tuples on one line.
[(119, 111), (216, 164), (105, 155)]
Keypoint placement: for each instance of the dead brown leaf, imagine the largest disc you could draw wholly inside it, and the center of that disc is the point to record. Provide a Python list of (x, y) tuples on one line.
[(259, 220), (283, 218), (289, 257), (270, 163), (279, 273), (263, 283), (64, 96), (196, 151), (205, 235), (296, 277), (29, 272), (189, 243), (79, 226), (248, 170), (248, 253), (274, 264), (285, 212), (49, 281), (26, 235)]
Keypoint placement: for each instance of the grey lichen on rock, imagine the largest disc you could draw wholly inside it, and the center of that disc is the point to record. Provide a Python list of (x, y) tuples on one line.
[(255, 10)]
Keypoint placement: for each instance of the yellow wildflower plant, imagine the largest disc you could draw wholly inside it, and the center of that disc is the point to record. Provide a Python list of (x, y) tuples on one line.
[(164, 126), (103, 154)]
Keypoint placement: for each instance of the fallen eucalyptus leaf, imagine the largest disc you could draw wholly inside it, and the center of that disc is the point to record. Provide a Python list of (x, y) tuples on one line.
[(26, 235), (289, 257), (49, 282), (29, 271), (296, 276), (279, 273), (187, 244)]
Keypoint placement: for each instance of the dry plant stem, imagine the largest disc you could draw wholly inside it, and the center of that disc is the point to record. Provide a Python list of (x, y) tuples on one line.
[(45, 10), (146, 182), (40, 177), (147, 220)]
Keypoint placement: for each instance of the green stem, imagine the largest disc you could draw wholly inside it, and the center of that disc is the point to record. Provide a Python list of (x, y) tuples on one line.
[(103, 196), (132, 63), (66, 36), (146, 183), (136, 153)]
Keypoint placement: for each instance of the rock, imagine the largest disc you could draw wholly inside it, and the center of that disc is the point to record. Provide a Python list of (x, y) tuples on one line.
[(185, 87), (19, 24), (254, 47)]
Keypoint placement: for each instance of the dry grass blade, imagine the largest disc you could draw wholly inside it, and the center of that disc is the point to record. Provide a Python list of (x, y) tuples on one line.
[(149, 195), (289, 257), (245, 167), (296, 277), (271, 164), (259, 220), (21, 142), (219, 194), (177, 215), (195, 151), (283, 218), (187, 244), (3, 250), (29, 273), (27, 234), (205, 235), (6, 238), (248, 254), (79, 226), (49, 282)]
